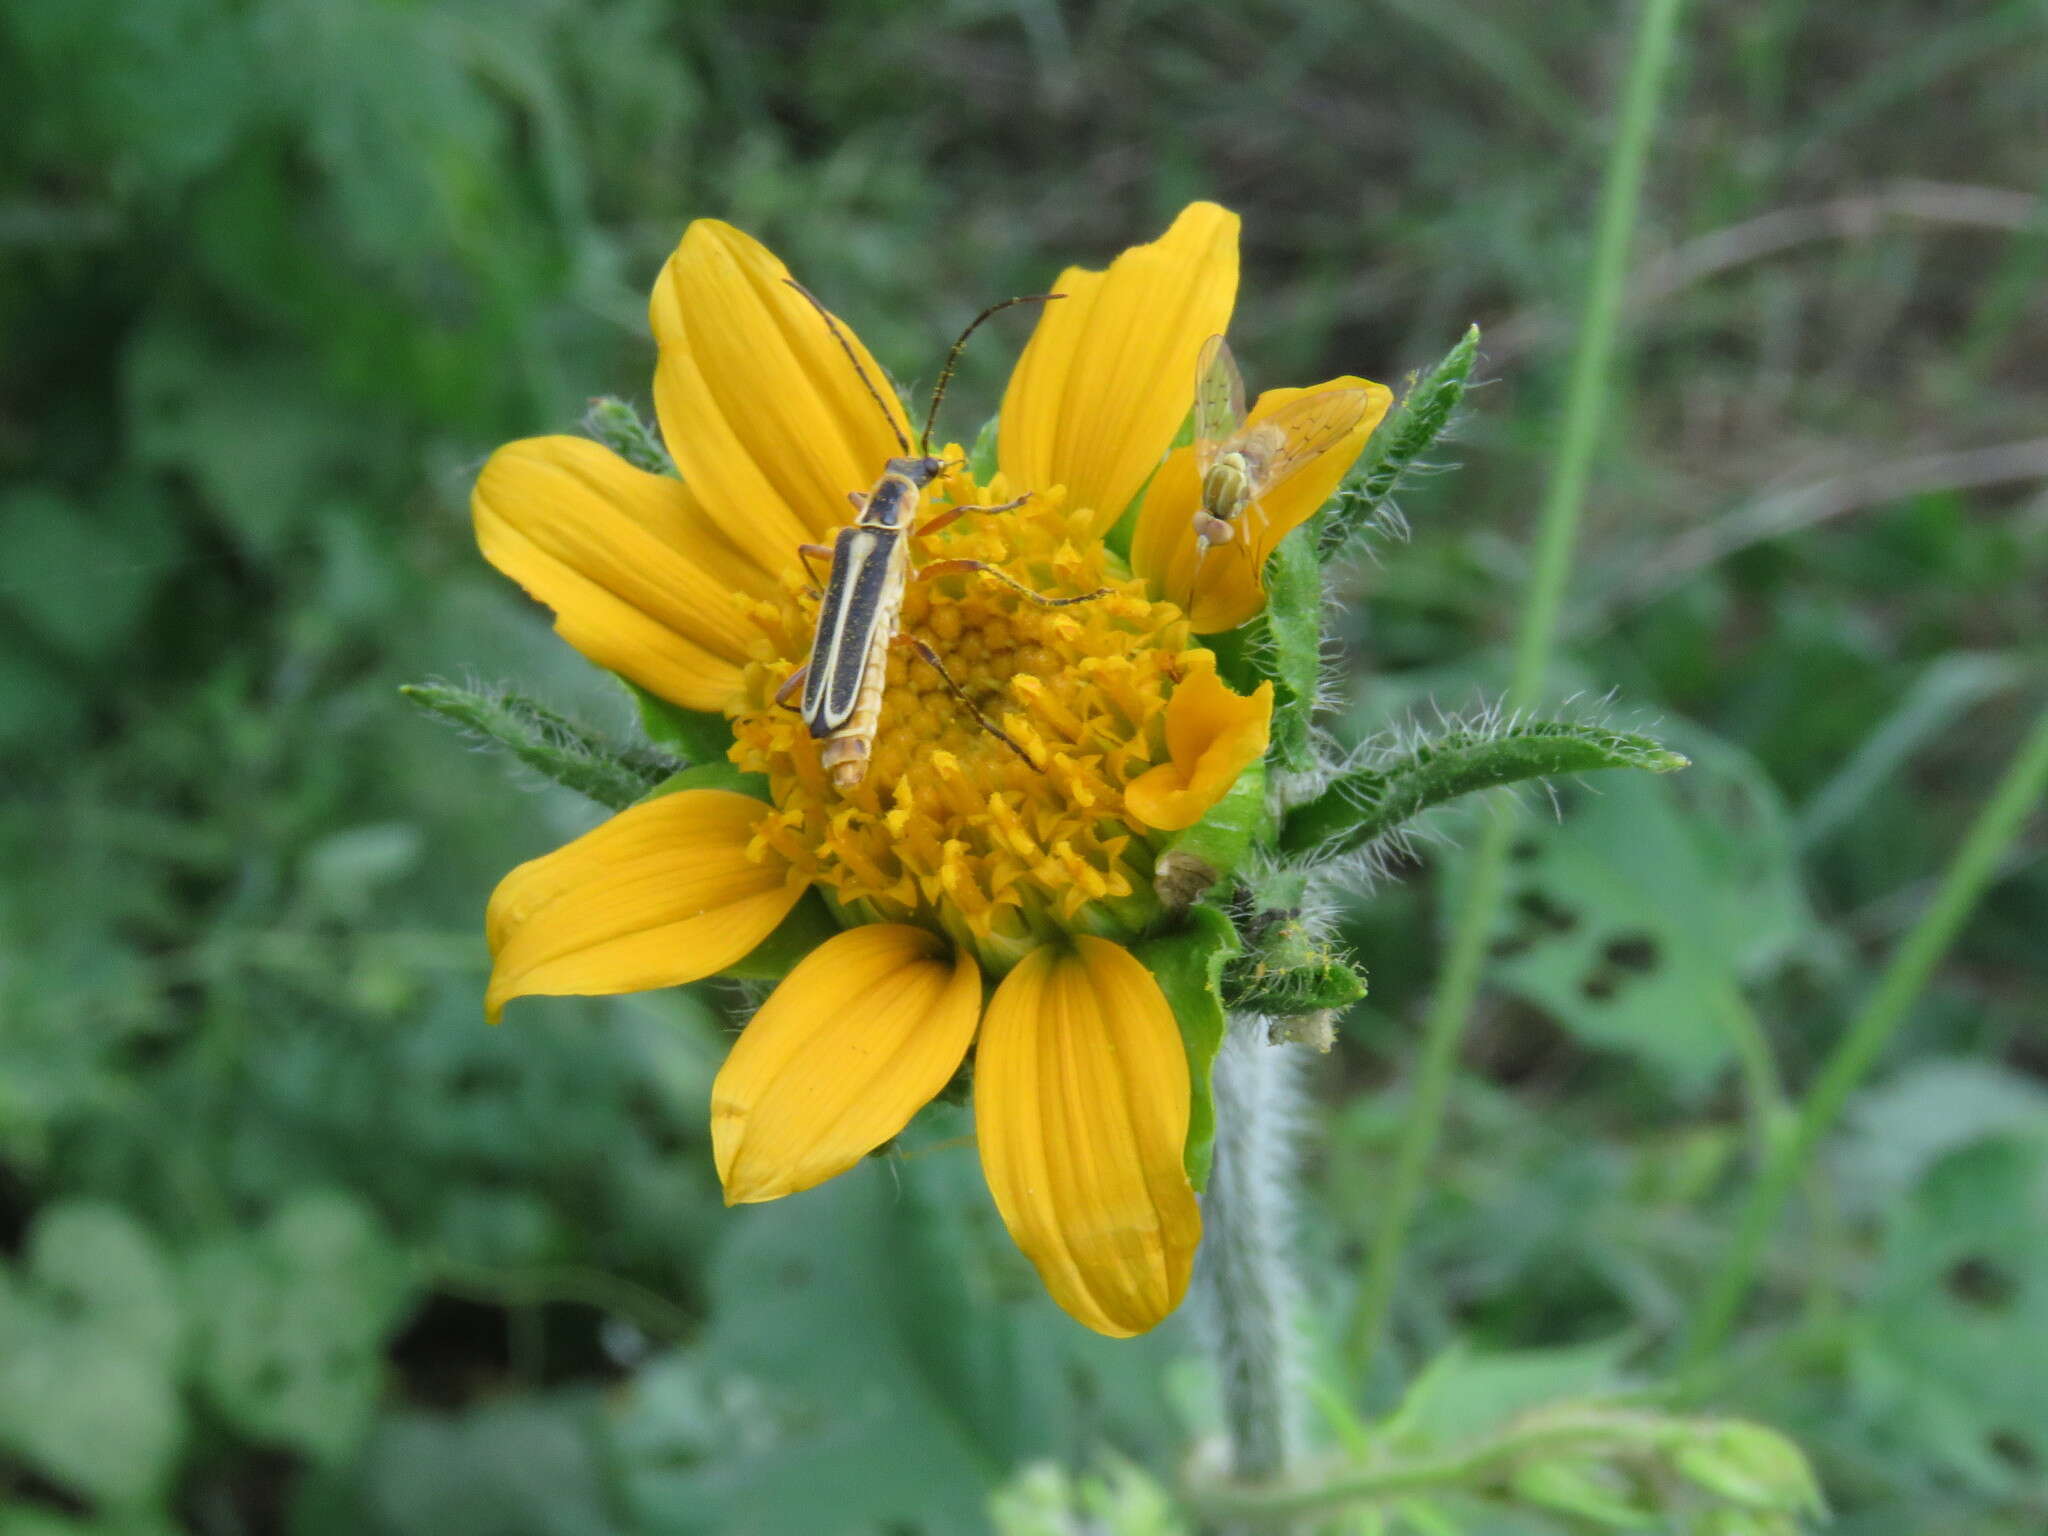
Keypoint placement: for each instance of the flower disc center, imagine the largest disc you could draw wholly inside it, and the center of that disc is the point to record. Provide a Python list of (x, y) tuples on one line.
[(952, 828)]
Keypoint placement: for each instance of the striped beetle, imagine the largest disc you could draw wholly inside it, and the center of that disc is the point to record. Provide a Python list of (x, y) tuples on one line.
[(871, 566)]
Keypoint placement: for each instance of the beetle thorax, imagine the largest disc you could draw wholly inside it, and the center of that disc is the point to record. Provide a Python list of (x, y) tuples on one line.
[(892, 503)]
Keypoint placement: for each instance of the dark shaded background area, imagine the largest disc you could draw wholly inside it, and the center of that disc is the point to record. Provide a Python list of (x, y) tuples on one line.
[(292, 1242)]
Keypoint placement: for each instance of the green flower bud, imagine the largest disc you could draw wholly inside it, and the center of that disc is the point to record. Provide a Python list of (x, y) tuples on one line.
[(1750, 1465)]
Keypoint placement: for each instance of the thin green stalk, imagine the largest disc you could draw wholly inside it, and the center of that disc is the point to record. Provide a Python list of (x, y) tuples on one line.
[(1432, 1089), (1864, 1041), (1585, 406), (1762, 1091), (1363, 1485)]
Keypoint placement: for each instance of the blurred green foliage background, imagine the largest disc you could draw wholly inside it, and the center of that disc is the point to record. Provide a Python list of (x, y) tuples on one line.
[(291, 1242)]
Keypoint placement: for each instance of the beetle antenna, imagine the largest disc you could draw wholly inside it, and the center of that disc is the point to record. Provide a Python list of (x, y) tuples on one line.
[(847, 347), (924, 442)]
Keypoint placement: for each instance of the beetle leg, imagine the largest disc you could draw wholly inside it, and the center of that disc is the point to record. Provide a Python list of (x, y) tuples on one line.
[(859, 500), (790, 685), (809, 552), (952, 514), (931, 659), (983, 568)]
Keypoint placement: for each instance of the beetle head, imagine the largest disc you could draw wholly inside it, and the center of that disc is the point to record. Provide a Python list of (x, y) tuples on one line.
[(919, 472)]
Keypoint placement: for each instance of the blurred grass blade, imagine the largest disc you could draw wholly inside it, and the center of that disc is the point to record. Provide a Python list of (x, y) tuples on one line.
[(555, 747), (1968, 873), (1585, 406), (1950, 686), (1368, 803), (1473, 34), (1424, 413)]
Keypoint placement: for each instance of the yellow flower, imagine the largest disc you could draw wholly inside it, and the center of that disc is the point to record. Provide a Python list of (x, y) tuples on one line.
[(985, 902)]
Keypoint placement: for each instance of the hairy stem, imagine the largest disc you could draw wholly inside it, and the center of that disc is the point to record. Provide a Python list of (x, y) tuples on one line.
[(1368, 803), (1246, 1278), (1585, 406), (1857, 1051)]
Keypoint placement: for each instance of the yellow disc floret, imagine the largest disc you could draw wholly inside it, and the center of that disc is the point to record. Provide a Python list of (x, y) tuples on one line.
[(952, 828)]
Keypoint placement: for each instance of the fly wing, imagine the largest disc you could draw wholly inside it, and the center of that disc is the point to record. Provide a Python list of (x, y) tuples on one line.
[(1219, 400), (1303, 430)]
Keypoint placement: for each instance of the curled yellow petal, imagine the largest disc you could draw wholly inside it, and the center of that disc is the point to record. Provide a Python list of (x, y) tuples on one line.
[(663, 893), (1081, 1109), (851, 1044), (764, 414), (1212, 735), (638, 581), (1225, 587), (1109, 374)]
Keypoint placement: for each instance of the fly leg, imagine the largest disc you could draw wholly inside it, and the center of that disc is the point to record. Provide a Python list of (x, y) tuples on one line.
[(931, 659)]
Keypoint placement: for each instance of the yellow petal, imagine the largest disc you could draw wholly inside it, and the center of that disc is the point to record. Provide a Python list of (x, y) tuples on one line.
[(763, 413), (661, 894), (852, 1043), (1081, 1109), (1109, 374), (624, 559), (1212, 735), (1226, 587)]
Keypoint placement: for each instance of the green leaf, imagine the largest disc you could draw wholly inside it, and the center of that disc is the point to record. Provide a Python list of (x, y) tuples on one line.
[(60, 582), (1946, 1360), (293, 1320), (1367, 803), (878, 1357), (1463, 1395), (347, 872), (155, 102), (718, 775), (90, 1343), (1634, 917), (524, 1466), (1189, 968), (692, 735), (546, 742), (191, 403), (1396, 449), (618, 426), (808, 925), (1899, 1129), (1283, 644)]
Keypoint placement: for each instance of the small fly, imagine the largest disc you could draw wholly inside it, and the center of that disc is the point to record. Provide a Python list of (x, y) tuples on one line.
[(858, 613), (1240, 465)]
